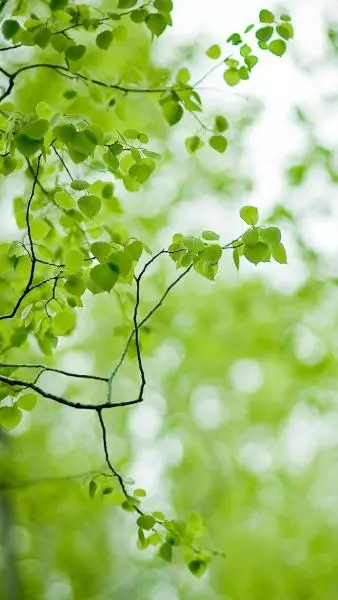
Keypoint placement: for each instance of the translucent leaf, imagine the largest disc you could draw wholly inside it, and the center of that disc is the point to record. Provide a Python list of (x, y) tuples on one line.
[(193, 144), (146, 522), (9, 28), (39, 229), (266, 16), (140, 493), (197, 567), (92, 488), (172, 111), (27, 401), (250, 237), (64, 200), (232, 76), (101, 250), (218, 143), (270, 235), (285, 30), (89, 205), (26, 145), (264, 33), (104, 39), (127, 3), (214, 52), (235, 257), (79, 185), (105, 276), (279, 253), (42, 36), (210, 235), (64, 323), (156, 23), (43, 110), (10, 416), (166, 552), (163, 5), (249, 214), (75, 52), (221, 123), (256, 254), (277, 47)]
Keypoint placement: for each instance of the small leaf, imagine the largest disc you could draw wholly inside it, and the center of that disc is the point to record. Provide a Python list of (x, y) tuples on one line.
[(221, 123), (64, 323), (210, 235), (235, 257), (27, 401), (173, 112), (249, 214), (156, 23), (193, 144), (79, 185), (26, 145), (250, 237), (104, 39), (256, 254), (277, 47), (218, 143), (214, 52), (10, 416), (146, 522), (266, 16), (9, 28), (270, 235), (285, 30), (279, 254), (89, 205), (264, 34), (92, 488), (197, 567), (232, 76), (75, 52), (166, 552), (105, 276)]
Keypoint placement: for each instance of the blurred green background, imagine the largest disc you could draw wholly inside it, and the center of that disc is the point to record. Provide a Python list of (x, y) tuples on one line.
[(240, 417)]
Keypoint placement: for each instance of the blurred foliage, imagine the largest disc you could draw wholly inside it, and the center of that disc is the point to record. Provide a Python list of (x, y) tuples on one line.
[(225, 455)]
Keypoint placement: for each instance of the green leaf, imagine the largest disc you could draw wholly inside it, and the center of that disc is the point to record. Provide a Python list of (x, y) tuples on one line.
[(214, 52), (249, 214), (64, 323), (64, 133), (89, 205), (26, 145), (285, 30), (197, 567), (172, 111), (211, 253), (9, 28), (235, 257), (79, 185), (140, 493), (277, 47), (210, 235), (221, 123), (156, 23), (264, 34), (10, 416), (139, 15), (193, 144), (39, 229), (166, 552), (232, 76), (218, 143), (266, 16), (42, 36), (127, 3), (163, 5), (250, 237), (105, 276), (36, 129), (92, 488), (64, 200), (104, 39), (251, 61), (256, 254), (270, 235), (101, 250), (27, 401), (146, 522), (285, 18), (234, 39), (75, 52), (279, 254)]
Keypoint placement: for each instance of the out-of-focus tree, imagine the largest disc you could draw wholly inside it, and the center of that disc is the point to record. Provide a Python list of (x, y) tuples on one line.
[(214, 429)]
